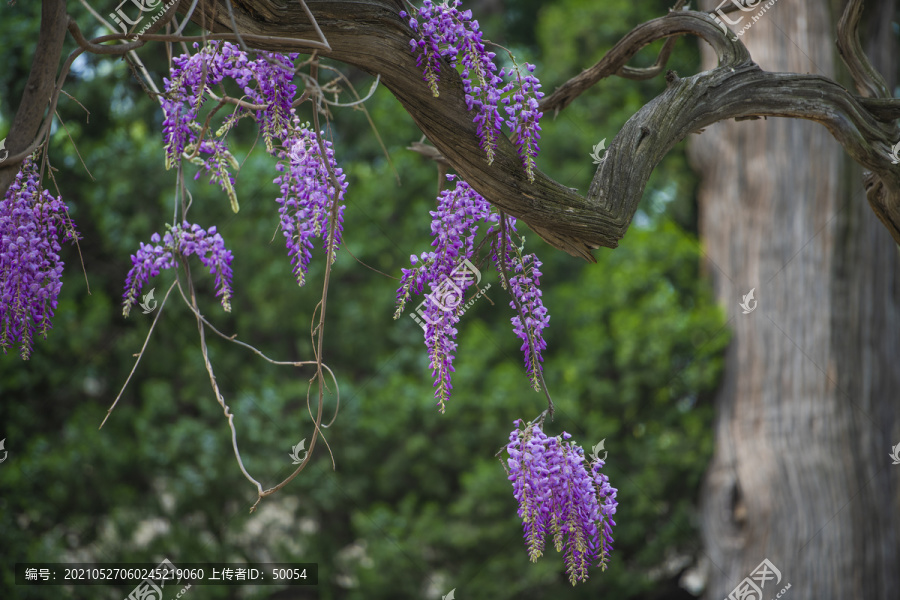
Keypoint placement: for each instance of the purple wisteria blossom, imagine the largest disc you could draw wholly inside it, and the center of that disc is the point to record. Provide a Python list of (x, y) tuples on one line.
[(449, 33), (216, 164), (32, 224), (524, 279), (265, 82), (307, 198), (524, 115), (183, 240), (524, 287), (454, 225), (307, 194), (559, 496)]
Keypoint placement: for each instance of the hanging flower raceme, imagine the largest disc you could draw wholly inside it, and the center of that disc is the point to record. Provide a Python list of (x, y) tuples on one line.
[(216, 164), (308, 198), (454, 225), (449, 33), (523, 116), (32, 225), (184, 240), (266, 82), (558, 495), (447, 272), (524, 279)]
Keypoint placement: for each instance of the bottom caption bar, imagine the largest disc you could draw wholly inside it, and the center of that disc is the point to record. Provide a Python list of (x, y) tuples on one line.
[(150, 577)]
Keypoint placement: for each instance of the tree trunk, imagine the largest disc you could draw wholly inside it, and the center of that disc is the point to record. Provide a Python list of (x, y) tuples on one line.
[(807, 412)]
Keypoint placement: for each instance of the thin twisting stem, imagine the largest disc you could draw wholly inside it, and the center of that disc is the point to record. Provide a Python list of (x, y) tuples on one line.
[(318, 332), (133, 56), (187, 17), (212, 378), (140, 354)]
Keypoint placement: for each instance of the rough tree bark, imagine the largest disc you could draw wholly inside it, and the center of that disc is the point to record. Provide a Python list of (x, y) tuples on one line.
[(371, 35), (807, 412), (39, 87)]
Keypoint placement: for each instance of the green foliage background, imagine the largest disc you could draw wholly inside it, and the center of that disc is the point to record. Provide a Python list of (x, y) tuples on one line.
[(415, 503)]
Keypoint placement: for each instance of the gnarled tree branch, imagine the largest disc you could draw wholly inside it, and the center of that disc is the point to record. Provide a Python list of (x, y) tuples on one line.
[(38, 88), (372, 36), (868, 81)]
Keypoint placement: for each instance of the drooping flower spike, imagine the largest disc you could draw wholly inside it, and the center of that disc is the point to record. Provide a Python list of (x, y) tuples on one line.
[(184, 239), (455, 223), (557, 495), (524, 281), (308, 197), (450, 33), (32, 226), (266, 82), (524, 116)]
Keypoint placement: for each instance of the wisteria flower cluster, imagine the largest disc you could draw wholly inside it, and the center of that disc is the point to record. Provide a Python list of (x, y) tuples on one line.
[(559, 496), (190, 86), (183, 240), (32, 225), (450, 33), (524, 287), (218, 158), (308, 198), (455, 223), (524, 114)]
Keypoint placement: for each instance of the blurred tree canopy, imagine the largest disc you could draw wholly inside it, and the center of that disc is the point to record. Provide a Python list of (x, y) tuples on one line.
[(417, 504)]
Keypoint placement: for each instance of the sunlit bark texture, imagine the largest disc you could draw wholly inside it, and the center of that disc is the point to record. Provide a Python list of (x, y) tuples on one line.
[(808, 409)]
